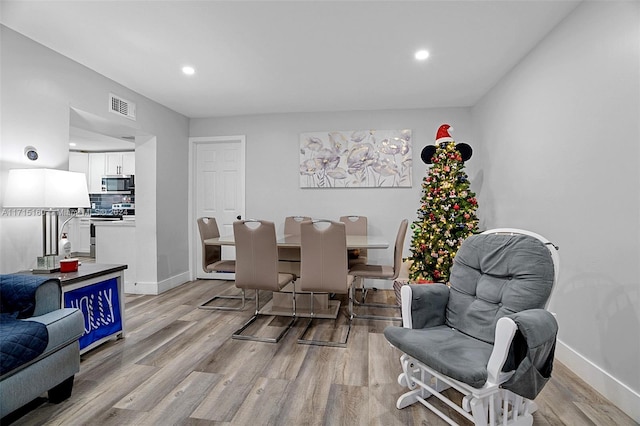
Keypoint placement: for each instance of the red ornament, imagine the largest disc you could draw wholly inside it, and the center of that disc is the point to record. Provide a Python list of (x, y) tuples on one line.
[(456, 207)]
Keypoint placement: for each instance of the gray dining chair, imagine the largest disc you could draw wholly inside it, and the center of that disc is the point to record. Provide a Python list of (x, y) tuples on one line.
[(381, 272), (355, 225), (291, 227), (324, 269), (257, 269), (212, 263)]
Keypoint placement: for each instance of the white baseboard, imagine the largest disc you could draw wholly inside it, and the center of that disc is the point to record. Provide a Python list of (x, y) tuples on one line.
[(621, 395), (157, 288)]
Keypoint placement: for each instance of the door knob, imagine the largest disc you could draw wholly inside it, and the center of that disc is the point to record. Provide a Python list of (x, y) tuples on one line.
[(239, 217)]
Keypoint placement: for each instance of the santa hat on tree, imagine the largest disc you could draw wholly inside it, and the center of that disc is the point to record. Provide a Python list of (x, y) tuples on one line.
[(443, 136)]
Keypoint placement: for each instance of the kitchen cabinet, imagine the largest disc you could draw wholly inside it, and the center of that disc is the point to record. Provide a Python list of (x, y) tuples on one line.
[(97, 164), (120, 163), (96, 171)]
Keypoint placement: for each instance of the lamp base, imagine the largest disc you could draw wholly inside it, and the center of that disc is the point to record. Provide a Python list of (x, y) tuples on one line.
[(45, 271), (46, 265)]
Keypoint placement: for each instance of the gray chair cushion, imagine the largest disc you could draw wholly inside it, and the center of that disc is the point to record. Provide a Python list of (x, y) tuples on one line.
[(497, 275), (445, 350)]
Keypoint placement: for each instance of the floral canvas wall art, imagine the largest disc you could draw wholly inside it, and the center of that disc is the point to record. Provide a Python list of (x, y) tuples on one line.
[(355, 159)]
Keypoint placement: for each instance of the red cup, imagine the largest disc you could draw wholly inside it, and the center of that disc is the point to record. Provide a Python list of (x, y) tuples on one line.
[(68, 265)]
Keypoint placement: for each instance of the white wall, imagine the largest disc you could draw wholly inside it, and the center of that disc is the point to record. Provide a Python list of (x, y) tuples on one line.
[(39, 88), (272, 162), (559, 152)]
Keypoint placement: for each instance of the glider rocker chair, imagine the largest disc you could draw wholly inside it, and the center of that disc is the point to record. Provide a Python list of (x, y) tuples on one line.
[(212, 262), (487, 335), (324, 269), (383, 272), (257, 268)]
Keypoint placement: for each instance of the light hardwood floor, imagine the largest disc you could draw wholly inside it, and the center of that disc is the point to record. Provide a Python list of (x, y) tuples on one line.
[(179, 366)]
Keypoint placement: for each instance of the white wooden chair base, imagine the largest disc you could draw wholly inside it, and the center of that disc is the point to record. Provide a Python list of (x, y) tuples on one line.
[(489, 405)]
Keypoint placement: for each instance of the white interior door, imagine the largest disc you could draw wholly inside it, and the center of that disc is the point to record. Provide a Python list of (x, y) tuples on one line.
[(219, 188)]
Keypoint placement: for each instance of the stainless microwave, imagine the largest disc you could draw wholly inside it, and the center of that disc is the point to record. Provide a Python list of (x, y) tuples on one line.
[(118, 183)]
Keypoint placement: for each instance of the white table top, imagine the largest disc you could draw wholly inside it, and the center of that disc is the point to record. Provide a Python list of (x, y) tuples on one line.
[(353, 241)]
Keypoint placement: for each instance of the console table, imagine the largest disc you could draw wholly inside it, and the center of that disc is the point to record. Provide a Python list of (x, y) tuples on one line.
[(97, 290)]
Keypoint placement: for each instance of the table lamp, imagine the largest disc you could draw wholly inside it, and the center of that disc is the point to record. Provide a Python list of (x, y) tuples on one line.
[(49, 190)]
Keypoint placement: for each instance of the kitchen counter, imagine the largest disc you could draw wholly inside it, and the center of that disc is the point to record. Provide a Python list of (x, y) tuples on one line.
[(123, 222), (115, 242)]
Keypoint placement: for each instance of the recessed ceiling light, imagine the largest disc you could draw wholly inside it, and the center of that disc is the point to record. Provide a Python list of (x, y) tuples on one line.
[(421, 55), (72, 144), (188, 70)]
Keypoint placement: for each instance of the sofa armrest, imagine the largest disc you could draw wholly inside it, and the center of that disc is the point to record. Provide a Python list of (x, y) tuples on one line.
[(63, 325), (48, 297), (424, 305), (25, 295)]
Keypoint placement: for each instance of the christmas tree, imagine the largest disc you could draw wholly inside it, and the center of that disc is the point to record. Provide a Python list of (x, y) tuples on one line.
[(447, 214)]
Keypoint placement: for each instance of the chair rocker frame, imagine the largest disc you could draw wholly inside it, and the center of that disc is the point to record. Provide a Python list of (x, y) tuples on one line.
[(488, 405)]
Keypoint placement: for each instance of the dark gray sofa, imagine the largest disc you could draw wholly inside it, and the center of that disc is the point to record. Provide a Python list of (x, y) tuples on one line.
[(49, 368)]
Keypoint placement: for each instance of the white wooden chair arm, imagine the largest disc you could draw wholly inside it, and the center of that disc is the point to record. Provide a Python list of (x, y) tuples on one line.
[(505, 330), (406, 296)]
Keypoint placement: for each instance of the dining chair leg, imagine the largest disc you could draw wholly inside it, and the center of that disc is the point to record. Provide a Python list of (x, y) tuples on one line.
[(238, 333), (373, 305), (241, 297), (337, 344)]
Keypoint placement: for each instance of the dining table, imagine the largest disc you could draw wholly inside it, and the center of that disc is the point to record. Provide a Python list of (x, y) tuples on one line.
[(281, 301), (292, 241)]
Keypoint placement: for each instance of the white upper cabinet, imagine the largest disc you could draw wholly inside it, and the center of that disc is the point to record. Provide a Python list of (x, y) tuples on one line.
[(95, 165), (120, 163), (129, 163), (97, 169)]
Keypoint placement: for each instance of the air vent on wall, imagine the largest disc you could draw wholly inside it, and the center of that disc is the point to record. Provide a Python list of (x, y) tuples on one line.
[(122, 107)]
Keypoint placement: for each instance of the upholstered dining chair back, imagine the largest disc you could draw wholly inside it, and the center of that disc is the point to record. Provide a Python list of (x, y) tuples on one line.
[(208, 228), (398, 248), (256, 255), (292, 224), (385, 272), (291, 227), (324, 257), (356, 225)]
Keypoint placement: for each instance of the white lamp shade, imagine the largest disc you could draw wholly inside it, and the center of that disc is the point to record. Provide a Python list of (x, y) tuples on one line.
[(46, 188)]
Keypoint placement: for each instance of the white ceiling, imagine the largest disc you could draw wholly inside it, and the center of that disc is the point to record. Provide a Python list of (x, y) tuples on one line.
[(293, 56), (87, 141)]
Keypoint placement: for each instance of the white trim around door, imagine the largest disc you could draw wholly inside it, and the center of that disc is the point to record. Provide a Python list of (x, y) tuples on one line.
[(196, 143)]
